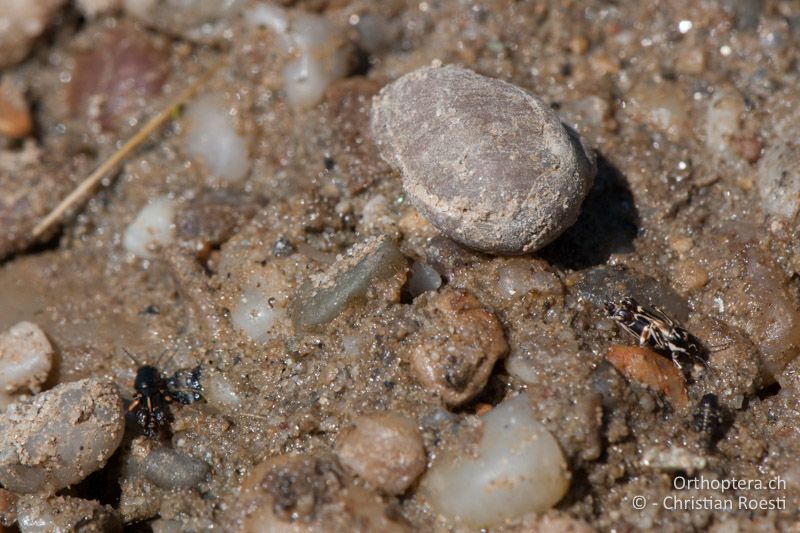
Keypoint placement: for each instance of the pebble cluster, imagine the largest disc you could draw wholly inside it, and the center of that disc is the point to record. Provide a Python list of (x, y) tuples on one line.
[(377, 242)]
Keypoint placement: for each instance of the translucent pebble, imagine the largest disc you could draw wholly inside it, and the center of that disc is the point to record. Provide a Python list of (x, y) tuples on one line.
[(152, 228), (220, 391), (171, 469), (260, 312), (25, 360), (519, 469), (211, 137), (40, 514), (320, 46), (347, 280), (423, 278)]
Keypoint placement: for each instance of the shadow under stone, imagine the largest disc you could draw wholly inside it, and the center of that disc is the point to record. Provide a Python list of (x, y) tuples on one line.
[(608, 224)]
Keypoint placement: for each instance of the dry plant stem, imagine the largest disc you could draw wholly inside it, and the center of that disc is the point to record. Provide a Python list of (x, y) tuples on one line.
[(94, 178)]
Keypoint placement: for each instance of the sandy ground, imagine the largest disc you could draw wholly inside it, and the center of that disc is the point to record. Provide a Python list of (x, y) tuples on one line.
[(683, 105)]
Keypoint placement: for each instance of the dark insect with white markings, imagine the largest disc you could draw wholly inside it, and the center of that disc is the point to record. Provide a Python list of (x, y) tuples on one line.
[(155, 390), (655, 329), (707, 418)]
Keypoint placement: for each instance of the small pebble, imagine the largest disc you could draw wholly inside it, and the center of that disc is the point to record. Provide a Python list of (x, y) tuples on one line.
[(689, 275), (518, 277), (152, 229), (15, 117), (423, 278), (663, 105), (171, 469), (61, 436), (219, 391), (113, 80), (196, 20), (681, 243), (519, 469), (673, 459), (455, 350), (94, 8), (384, 449), (306, 493), (778, 179), (723, 121), (21, 22), (26, 357), (320, 50), (212, 217), (37, 514), (347, 280), (652, 370), (260, 311), (211, 137), (487, 163)]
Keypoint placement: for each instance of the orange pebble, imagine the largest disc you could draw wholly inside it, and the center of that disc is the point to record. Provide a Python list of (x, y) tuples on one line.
[(650, 369), (15, 119), (482, 408)]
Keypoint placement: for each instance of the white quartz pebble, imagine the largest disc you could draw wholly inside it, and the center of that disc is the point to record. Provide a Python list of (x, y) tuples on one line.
[(211, 138), (25, 360), (320, 47), (519, 469), (152, 228)]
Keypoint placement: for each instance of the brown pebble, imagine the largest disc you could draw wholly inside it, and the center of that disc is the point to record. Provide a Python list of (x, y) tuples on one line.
[(307, 493), (384, 449), (212, 217), (650, 369), (690, 275), (749, 148), (15, 118), (578, 45), (482, 408), (116, 77), (8, 507), (456, 348)]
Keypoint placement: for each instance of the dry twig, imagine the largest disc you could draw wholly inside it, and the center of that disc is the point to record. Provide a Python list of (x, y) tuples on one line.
[(94, 178)]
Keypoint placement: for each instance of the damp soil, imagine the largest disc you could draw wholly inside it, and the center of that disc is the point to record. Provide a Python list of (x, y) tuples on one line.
[(674, 218)]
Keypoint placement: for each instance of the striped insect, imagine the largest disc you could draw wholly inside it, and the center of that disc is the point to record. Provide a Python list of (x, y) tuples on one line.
[(655, 329)]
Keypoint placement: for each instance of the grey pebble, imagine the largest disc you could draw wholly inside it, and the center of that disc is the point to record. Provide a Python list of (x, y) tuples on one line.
[(603, 284), (347, 280), (171, 469), (60, 436), (486, 162)]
